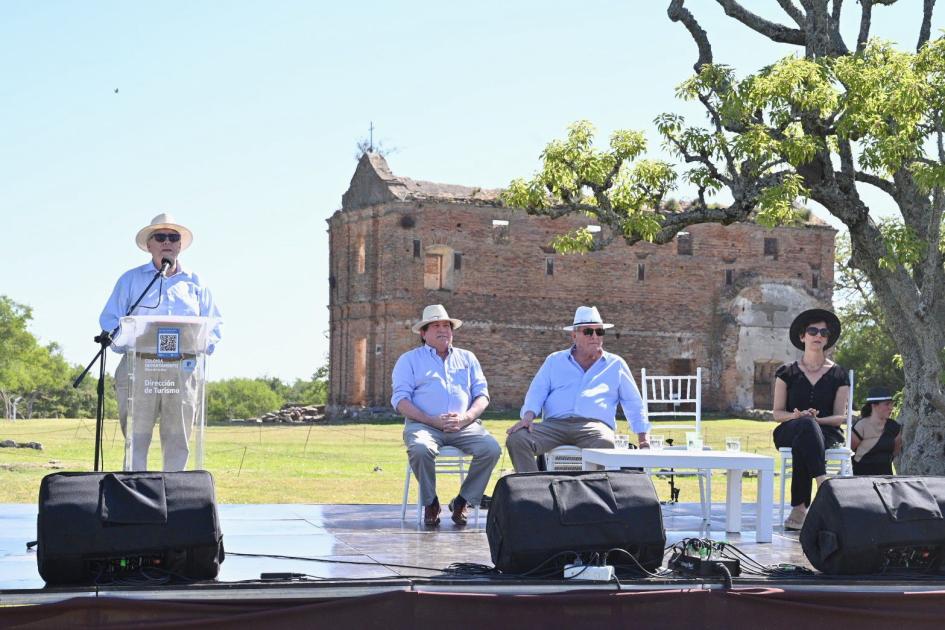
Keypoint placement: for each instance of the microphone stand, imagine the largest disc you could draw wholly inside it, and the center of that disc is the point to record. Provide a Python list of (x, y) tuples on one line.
[(104, 339)]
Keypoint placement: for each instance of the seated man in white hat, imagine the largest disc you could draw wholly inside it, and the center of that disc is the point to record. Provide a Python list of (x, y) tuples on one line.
[(576, 392), (179, 292), (441, 391)]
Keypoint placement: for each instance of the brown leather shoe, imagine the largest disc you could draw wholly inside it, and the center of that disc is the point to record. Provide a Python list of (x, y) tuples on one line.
[(460, 510), (431, 513)]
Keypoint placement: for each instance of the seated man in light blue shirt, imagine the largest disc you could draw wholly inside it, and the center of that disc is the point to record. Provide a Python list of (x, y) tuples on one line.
[(576, 392), (441, 391)]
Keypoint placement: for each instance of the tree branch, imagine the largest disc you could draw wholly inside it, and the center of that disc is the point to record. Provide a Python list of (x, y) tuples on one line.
[(926, 30), (678, 13), (772, 30), (794, 12), (866, 18), (883, 184)]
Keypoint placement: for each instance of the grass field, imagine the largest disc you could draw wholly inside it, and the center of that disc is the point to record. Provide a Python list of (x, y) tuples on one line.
[(278, 463)]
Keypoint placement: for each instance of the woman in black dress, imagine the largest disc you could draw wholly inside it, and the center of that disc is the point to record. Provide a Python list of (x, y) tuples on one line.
[(810, 402), (876, 437)]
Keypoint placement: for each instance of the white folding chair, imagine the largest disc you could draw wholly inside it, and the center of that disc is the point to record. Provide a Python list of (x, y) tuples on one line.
[(563, 458), (449, 461), (675, 391), (675, 397), (839, 460)]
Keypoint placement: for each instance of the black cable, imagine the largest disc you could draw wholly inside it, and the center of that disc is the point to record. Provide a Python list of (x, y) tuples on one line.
[(632, 557), (726, 575)]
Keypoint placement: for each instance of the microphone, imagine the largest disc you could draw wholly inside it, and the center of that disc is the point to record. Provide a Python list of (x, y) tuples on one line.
[(166, 264)]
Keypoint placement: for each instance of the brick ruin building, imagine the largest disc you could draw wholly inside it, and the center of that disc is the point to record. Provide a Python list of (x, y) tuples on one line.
[(716, 297)]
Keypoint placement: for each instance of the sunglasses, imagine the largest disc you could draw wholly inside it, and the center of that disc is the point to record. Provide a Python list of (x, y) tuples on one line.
[(813, 330), (590, 332), (160, 238)]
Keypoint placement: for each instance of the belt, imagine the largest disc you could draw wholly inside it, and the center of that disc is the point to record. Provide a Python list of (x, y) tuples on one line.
[(147, 355)]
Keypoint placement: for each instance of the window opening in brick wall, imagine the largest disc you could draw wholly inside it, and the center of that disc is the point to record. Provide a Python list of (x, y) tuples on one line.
[(682, 367), (500, 230), (416, 248), (729, 277), (641, 270), (815, 280), (433, 271), (457, 261), (684, 244), (361, 255), (549, 266), (771, 247)]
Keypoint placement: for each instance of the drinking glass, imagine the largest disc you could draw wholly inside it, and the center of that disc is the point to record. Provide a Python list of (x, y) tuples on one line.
[(693, 442), (621, 441), (656, 442), (733, 444)]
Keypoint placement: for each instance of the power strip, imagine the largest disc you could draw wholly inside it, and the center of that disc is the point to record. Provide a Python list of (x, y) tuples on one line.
[(594, 573)]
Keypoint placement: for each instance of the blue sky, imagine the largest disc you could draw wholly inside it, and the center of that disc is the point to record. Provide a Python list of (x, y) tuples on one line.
[(242, 118)]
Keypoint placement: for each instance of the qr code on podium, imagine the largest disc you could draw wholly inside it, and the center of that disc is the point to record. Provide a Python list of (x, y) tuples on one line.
[(168, 342)]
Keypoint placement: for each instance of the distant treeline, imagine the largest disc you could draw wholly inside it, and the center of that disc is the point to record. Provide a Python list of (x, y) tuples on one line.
[(36, 381)]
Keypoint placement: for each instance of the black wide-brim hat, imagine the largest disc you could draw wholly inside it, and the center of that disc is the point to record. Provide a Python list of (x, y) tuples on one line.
[(815, 315)]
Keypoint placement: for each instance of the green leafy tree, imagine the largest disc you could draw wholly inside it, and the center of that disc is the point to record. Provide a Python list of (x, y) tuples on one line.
[(311, 392), (37, 377), (818, 124), (241, 398)]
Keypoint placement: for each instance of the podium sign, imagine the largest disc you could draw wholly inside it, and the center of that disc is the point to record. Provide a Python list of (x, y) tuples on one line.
[(164, 365)]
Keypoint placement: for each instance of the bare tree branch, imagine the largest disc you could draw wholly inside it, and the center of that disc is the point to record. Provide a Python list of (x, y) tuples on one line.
[(678, 13), (866, 17), (926, 30), (772, 30), (883, 184), (796, 14)]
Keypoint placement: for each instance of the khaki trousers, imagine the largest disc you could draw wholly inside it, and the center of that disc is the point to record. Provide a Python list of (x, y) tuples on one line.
[(423, 444), (524, 446), (173, 399)]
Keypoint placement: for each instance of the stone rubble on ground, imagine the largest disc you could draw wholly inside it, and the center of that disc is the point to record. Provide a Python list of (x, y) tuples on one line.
[(11, 444), (291, 414)]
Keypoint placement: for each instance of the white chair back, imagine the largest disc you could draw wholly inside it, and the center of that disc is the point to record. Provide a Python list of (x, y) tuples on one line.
[(682, 393)]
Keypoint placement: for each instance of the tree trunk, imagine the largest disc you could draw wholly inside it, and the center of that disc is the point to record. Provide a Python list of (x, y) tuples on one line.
[(923, 438)]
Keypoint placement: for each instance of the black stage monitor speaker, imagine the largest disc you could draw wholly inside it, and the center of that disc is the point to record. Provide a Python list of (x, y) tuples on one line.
[(861, 525), (534, 516), (100, 527)]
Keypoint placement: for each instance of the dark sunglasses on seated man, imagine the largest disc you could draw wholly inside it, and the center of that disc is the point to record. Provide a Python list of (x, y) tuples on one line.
[(588, 332), (813, 330), (160, 238)]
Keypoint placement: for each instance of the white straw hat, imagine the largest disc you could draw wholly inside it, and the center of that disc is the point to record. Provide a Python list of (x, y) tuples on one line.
[(587, 316), (164, 221), (435, 313)]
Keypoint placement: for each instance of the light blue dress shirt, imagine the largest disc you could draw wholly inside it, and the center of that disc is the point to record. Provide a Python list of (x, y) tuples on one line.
[(437, 386), (562, 389), (180, 294)]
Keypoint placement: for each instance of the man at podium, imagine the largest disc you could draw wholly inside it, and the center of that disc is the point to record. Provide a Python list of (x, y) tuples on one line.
[(179, 293)]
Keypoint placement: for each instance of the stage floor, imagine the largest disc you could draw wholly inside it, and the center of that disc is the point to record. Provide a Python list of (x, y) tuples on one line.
[(333, 543)]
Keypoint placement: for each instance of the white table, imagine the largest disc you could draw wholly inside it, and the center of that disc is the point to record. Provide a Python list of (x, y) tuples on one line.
[(735, 462)]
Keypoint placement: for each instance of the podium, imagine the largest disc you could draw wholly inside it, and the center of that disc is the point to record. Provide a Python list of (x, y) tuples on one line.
[(161, 379)]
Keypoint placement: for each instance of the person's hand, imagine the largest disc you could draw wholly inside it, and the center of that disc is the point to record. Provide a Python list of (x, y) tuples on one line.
[(812, 412), (453, 422), (524, 423)]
